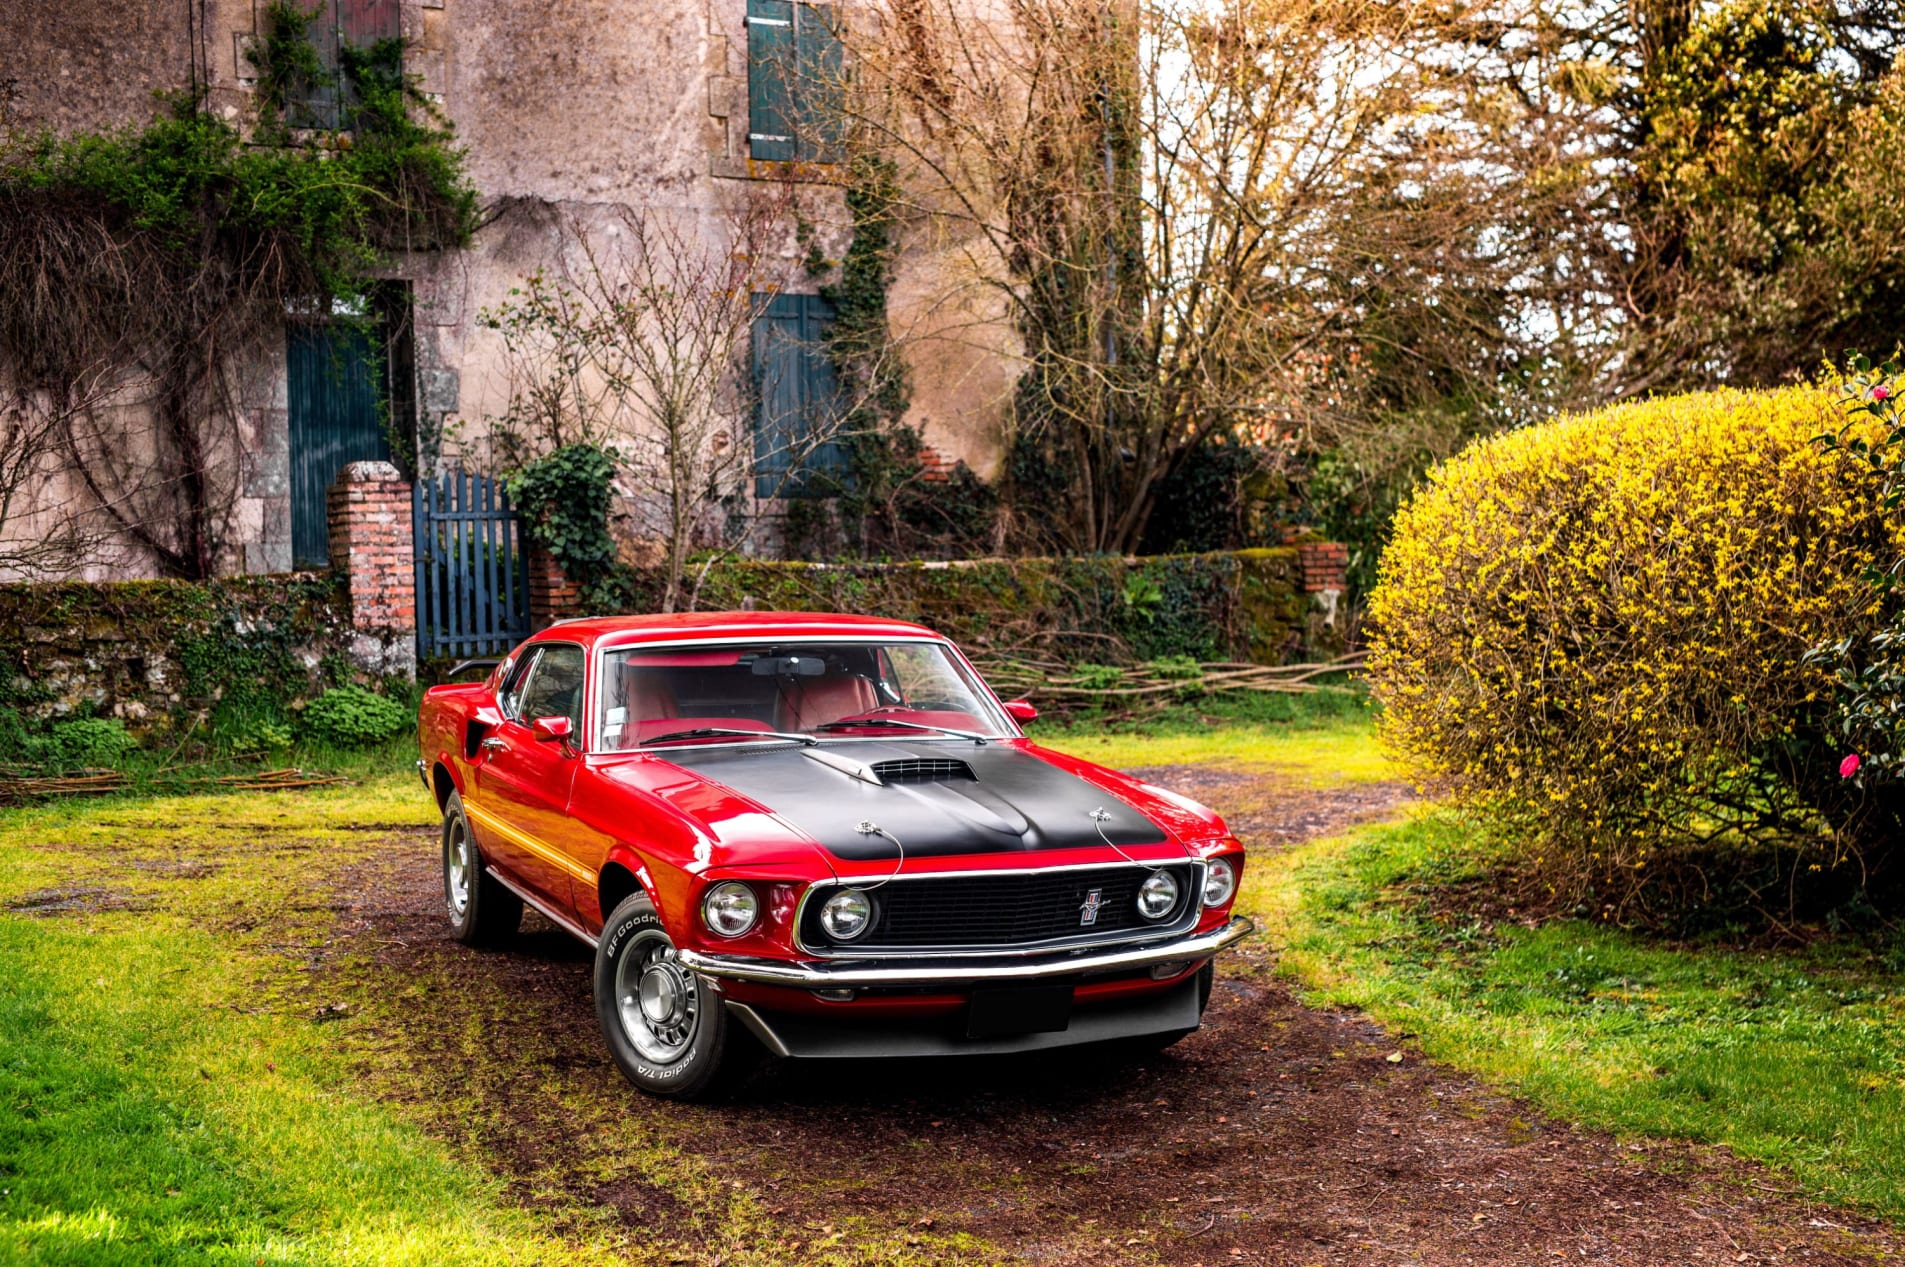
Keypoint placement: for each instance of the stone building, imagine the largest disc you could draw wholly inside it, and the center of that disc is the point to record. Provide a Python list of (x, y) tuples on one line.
[(573, 114)]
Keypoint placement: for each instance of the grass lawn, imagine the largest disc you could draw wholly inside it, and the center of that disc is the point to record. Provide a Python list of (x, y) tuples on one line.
[(1320, 740), (171, 1095), (1793, 1057)]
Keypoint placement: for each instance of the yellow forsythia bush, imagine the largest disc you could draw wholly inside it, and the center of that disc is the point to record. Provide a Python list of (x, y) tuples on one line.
[(1599, 626)]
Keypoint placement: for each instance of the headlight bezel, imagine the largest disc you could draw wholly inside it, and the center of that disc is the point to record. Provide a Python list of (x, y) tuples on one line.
[(1213, 869), (847, 894), (726, 889), (1164, 881)]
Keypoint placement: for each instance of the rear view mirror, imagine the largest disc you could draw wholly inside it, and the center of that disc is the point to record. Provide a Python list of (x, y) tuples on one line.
[(1021, 710), (547, 728), (789, 666)]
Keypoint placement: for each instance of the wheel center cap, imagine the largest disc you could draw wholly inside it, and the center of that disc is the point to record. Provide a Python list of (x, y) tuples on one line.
[(660, 995)]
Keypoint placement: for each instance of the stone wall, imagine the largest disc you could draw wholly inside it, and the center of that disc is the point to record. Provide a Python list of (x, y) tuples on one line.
[(1271, 606), (165, 655)]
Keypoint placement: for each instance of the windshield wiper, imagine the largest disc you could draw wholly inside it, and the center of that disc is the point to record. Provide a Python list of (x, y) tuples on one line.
[(973, 735), (716, 732)]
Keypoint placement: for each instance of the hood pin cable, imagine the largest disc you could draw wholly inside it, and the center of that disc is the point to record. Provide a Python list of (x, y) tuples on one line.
[(1100, 816), (867, 827)]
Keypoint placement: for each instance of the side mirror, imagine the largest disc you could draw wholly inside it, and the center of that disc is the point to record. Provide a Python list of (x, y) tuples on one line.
[(1021, 710), (547, 728)]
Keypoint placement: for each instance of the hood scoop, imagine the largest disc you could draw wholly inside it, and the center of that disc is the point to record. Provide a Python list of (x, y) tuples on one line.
[(903, 770), (925, 770)]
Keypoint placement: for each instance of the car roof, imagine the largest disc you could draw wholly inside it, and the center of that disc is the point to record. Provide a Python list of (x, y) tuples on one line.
[(658, 627)]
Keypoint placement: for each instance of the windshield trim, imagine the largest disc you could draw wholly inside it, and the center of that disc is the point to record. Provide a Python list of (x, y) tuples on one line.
[(1001, 728)]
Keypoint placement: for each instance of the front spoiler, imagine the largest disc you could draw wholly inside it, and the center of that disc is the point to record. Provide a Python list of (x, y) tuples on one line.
[(810, 974), (1178, 1010)]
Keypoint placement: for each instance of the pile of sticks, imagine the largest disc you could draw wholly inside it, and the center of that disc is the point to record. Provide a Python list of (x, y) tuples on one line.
[(17, 787), (1051, 680)]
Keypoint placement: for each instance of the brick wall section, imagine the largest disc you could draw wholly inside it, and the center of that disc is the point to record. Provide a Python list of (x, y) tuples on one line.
[(373, 547), (552, 595), (1322, 567)]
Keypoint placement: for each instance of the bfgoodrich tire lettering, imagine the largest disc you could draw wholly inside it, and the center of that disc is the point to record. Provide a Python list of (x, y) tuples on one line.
[(667, 1031), (483, 911)]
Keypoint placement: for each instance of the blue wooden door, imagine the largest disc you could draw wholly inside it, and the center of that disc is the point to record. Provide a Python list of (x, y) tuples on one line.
[(337, 376), (796, 450)]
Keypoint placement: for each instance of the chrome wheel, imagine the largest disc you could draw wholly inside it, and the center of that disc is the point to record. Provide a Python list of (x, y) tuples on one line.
[(658, 1000), (458, 866)]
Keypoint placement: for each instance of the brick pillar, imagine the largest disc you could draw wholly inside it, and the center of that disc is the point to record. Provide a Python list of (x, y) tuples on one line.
[(372, 545), (1322, 567), (552, 595)]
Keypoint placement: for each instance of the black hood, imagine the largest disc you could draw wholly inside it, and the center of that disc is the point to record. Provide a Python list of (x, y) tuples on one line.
[(1010, 802)]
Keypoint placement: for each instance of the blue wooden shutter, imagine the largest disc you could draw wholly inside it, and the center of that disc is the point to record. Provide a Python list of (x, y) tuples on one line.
[(797, 400), (818, 97), (771, 52), (823, 466)]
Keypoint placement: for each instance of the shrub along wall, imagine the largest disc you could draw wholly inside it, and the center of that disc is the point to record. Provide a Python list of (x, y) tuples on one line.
[(212, 656), (1241, 605)]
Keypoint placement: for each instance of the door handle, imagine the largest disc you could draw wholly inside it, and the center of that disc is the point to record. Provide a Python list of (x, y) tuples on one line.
[(493, 744)]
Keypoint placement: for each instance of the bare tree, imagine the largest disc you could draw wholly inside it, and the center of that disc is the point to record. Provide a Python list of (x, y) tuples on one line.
[(641, 346), (1218, 216), (40, 535)]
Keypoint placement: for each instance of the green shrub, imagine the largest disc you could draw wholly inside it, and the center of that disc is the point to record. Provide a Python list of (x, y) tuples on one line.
[(83, 742), (352, 717), (1599, 628)]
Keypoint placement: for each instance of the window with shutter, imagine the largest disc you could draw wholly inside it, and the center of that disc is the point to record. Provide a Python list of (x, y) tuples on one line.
[(324, 101), (795, 65), (797, 400)]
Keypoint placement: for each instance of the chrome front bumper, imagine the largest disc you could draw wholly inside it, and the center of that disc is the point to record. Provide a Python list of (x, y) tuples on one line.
[(860, 974)]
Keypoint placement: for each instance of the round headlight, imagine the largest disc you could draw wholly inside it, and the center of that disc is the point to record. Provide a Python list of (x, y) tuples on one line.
[(1157, 896), (847, 914), (730, 908), (1220, 881)]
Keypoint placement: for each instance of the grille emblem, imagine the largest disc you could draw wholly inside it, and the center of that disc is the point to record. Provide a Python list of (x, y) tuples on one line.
[(1088, 909)]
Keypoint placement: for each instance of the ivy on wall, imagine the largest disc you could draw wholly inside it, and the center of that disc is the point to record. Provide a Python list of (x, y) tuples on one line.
[(176, 249)]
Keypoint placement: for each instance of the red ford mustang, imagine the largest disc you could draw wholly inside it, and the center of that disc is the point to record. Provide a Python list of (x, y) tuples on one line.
[(825, 831)]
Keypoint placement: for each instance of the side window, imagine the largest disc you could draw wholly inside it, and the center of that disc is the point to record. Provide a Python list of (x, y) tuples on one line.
[(555, 688), (510, 697), (796, 452), (794, 76)]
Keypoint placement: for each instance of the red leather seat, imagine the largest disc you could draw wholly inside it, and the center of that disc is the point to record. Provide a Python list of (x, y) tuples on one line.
[(808, 702)]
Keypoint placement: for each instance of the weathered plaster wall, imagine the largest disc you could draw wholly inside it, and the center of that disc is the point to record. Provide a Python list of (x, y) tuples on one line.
[(78, 64), (571, 114)]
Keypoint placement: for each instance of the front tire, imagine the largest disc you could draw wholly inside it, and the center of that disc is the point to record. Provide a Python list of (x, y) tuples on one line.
[(667, 1031), (483, 911)]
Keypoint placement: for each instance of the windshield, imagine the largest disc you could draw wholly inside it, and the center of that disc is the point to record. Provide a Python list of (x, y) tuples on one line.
[(829, 690)]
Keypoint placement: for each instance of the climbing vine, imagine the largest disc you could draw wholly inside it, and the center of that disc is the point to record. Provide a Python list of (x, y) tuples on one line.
[(150, 267), (887, 505)]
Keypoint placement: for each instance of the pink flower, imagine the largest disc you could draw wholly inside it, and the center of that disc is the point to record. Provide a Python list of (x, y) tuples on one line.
[(1850, 766), (1881, 392)]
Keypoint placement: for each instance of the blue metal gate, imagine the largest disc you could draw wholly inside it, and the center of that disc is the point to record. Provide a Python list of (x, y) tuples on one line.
[(472, 577)]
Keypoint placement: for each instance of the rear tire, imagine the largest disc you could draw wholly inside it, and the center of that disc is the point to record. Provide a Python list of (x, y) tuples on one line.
[(668, 1032), (483, 911)]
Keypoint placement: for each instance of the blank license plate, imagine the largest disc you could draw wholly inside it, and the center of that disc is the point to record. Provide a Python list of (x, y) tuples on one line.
[(1019, 1009)]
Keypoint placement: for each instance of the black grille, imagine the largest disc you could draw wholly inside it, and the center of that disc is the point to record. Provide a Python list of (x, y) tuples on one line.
[(923, 770), (1002, 910)]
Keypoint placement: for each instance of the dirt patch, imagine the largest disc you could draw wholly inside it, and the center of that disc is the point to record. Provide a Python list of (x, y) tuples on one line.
[(75, 899), (1271, 812), (1278, 1134)]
